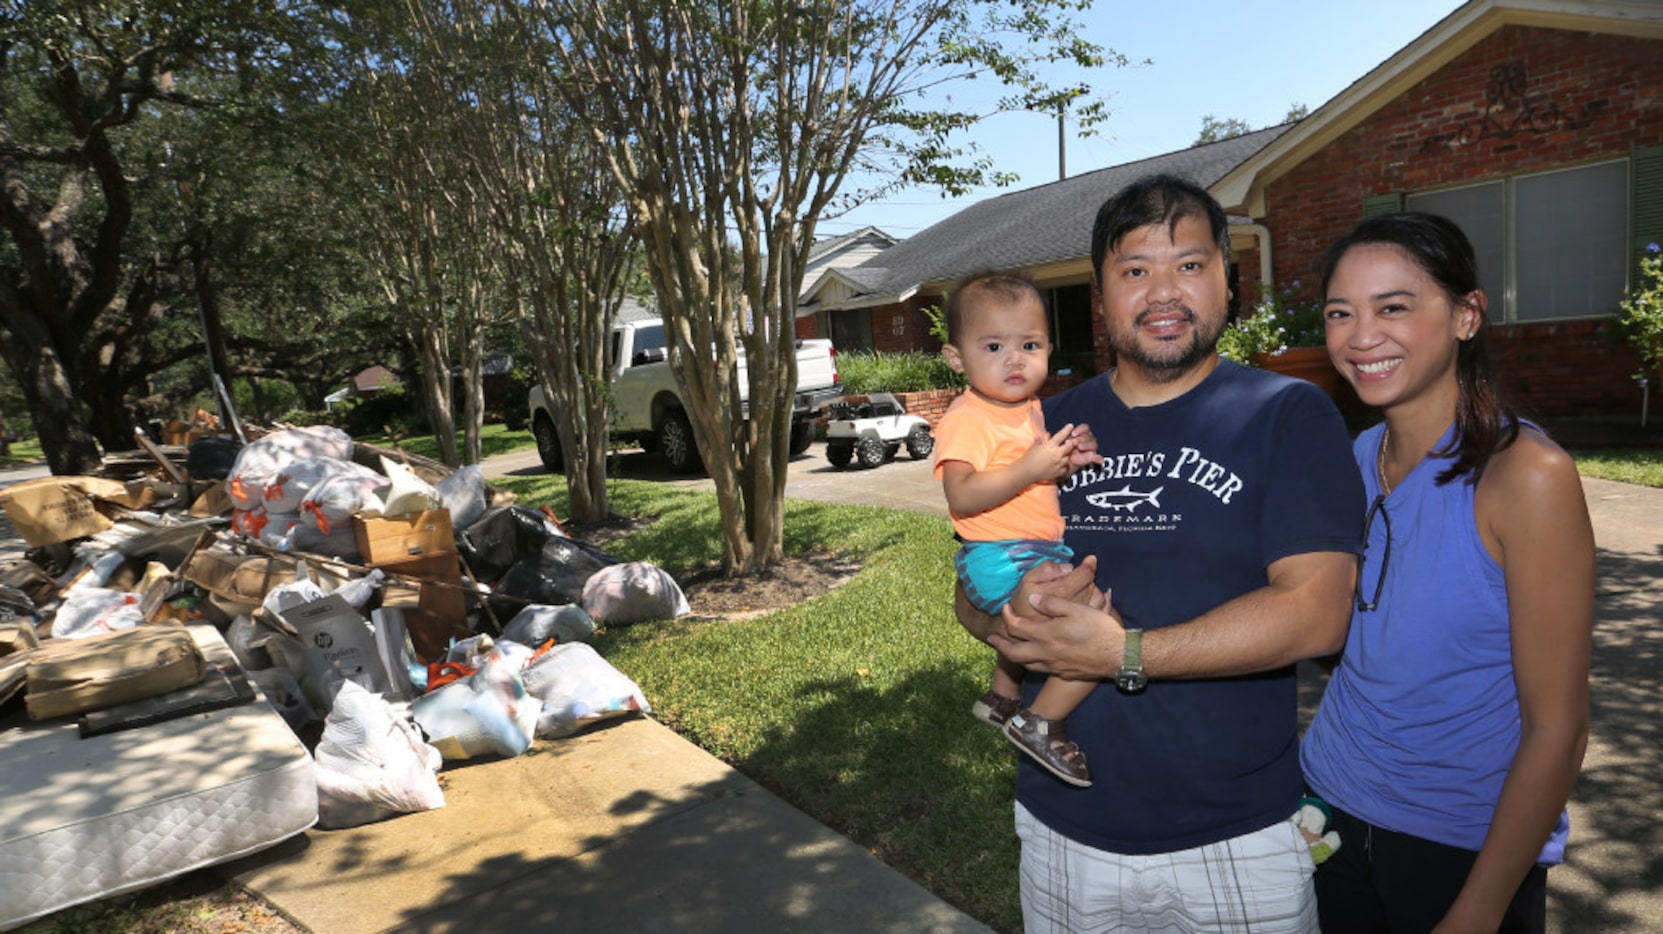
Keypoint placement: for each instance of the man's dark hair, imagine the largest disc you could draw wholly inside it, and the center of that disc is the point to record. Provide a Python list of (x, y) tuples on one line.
[(1155, 199), (1007, 287)]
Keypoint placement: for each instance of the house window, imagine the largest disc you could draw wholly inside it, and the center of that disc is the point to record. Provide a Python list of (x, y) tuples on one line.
[(850, 329), (1073, 345), (1550, 245)]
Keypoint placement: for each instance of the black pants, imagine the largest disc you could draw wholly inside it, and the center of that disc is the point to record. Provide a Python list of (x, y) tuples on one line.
[(1393, 883)]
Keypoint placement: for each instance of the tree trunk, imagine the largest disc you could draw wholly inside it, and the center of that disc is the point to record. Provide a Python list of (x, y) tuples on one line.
[(53, 406)]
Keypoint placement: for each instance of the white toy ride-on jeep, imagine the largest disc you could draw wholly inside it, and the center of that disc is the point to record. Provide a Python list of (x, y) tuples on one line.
[(873, 431)]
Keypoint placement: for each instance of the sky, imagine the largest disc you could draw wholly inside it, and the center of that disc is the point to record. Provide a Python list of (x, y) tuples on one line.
[(1240, 59)]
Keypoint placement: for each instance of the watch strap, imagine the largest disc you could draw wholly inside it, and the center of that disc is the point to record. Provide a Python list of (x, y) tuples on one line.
[(1132, 657)]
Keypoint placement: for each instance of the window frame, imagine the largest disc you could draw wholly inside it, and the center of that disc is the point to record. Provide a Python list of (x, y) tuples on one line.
[(1508, 304)]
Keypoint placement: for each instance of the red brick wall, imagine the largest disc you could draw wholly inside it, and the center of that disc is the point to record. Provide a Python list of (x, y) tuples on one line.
[(808, 327), (904, 327), (1591, 97)]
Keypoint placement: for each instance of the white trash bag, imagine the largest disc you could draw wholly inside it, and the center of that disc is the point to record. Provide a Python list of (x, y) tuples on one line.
[(93, 611), (335, 500), (577, 687), (259, 460), (486, 713), (462, 494), (407, 492), (293, 483), (537, 623), (632, 592), (372, 764)]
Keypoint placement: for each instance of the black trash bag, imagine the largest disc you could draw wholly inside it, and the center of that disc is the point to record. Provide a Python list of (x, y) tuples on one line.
[(502, 538), (212, 458), (555, 576)]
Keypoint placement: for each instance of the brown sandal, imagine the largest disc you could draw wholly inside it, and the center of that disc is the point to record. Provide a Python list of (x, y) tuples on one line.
[(1048, 743), (994, 709)]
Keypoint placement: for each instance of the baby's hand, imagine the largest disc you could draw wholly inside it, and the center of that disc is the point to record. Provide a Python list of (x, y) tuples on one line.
[(1049, 458), (1085, 449)]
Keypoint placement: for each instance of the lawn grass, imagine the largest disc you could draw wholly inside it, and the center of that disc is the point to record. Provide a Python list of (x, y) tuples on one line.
[(1643, 466), (493, 440), (853, 706), (22, 452)]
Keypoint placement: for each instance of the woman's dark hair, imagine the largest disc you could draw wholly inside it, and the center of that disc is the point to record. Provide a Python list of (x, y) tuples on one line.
[(1484, 421), (1006, 287)]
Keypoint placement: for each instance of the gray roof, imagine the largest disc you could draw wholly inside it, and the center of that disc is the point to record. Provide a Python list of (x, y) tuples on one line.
[(1046, 224), (827, 244), (631, 309)]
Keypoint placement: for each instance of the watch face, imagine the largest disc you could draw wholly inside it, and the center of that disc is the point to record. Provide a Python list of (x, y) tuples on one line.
[(1131, 682)]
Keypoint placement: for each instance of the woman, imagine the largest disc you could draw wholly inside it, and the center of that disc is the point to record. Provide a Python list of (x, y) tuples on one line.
[(1453, 728)]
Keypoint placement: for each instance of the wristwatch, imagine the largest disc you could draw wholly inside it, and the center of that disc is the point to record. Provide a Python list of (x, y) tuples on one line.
[(1130, 678)]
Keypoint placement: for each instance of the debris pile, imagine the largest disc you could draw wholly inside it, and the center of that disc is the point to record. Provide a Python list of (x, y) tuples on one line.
[(395, 613)]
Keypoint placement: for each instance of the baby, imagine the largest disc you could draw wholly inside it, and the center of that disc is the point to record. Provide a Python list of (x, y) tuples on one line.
[(999, 467)]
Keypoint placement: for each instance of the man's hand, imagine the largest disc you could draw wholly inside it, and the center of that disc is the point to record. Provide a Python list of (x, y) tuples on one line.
[(1064, 582), (1073, 640)]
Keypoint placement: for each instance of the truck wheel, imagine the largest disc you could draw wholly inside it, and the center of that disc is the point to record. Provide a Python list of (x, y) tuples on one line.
[(871, 451), (890, 450), (802, 435), (675, 439), (548, 444), (920, 442), (839, 454)]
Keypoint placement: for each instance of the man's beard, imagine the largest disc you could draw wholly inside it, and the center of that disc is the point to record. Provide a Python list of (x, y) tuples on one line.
[(1172, 359)]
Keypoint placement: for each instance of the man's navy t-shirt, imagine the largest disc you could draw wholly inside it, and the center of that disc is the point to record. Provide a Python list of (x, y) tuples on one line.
[(1196, 499)]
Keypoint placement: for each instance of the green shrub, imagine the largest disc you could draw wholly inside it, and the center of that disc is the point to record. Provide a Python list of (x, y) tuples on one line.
[(1281, 320), (1640, 314), (391, 408), (874, 371)]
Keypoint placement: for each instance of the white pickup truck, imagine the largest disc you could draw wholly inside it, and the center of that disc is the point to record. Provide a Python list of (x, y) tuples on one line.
[(648, 408)]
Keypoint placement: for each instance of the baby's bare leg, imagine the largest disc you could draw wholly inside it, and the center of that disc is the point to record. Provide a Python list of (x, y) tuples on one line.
[(1007, 677), (1058, 698)]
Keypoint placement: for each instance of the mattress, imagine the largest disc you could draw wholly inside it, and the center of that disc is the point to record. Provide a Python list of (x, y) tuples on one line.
[(83, 819)]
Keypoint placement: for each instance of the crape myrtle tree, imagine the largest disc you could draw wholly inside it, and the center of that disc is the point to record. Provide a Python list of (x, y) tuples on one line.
[(554, 218), (420, 100), (732, 126), (389, 122)]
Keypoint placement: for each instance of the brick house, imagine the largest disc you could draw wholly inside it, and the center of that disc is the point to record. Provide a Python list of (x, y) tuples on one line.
[(1044, 231), (1537, 125)]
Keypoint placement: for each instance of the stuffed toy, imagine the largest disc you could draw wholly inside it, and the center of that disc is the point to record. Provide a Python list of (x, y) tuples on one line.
[(1312, 819)]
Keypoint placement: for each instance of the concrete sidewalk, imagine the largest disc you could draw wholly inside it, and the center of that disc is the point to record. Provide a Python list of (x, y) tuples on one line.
[(624, 828)]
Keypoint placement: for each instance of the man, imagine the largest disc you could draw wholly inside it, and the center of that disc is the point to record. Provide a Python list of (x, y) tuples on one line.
[(1219, 548)]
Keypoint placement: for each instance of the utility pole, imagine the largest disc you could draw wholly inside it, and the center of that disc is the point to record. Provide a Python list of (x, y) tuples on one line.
[(1062, 156)]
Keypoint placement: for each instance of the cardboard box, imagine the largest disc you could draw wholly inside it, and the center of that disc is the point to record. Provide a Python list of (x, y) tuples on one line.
[(245, 579), (397, 538), (421, 573), (17, 640), (55, 509), (431, 634), (433, 614), (330, 626)]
